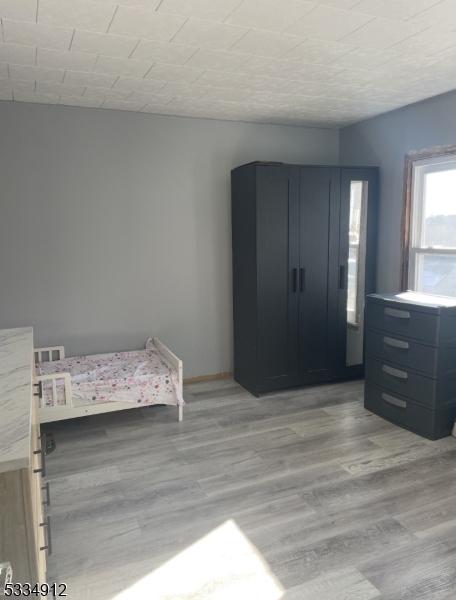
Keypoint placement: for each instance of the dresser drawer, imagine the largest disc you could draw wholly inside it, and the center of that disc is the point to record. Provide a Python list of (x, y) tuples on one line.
[(388, 317), (403, 352), (402, 381), (432, 424)]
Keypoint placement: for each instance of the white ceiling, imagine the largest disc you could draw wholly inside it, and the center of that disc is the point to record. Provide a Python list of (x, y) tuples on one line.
[(317, 62)]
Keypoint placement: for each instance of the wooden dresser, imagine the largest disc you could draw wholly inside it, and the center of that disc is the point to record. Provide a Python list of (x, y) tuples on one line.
[(24, 494)]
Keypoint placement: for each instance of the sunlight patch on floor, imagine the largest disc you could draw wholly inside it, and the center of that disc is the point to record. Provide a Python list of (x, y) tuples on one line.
[(222, 565)]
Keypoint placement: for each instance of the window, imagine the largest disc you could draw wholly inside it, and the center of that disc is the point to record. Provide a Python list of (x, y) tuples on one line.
[(432, 245), (356, 251)]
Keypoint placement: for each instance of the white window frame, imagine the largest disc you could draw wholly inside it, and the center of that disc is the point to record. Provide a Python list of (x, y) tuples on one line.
[(417, 247)]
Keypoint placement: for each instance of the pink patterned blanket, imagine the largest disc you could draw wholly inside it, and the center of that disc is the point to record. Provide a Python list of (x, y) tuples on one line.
[(141, 377)]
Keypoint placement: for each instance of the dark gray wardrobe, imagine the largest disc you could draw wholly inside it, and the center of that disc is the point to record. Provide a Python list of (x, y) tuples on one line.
[(303, 261)]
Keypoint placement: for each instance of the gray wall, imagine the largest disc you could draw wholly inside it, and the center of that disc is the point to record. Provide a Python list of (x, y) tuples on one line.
[(384, 141), (116, 225)]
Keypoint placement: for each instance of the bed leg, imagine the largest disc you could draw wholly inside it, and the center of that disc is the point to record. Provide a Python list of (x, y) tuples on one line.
[(181, 413)]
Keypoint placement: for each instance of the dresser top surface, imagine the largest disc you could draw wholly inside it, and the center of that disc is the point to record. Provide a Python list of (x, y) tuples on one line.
[(16, 360), (417, 301)]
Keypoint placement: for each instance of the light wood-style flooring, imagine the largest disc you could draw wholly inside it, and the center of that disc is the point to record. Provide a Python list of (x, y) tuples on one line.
[(301, 495)]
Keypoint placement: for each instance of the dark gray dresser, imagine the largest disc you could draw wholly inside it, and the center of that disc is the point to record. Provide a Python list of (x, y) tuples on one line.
[(411, 361)]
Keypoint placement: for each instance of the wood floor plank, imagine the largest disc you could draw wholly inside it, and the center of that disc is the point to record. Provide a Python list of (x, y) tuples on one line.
[(320, 498)]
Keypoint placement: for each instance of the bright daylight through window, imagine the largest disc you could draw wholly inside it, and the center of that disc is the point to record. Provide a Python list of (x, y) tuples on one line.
[(432, 260)]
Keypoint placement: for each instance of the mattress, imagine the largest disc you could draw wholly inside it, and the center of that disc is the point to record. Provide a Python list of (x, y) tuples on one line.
[(141, 377)]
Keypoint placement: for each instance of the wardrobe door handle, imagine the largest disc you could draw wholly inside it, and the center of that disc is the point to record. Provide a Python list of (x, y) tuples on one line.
[(396, 343), (397, 314), (294, 279), (394, 372), (48, 545), (42, 469), (394, 401), (302, 279), (47, 500), (342, 277)]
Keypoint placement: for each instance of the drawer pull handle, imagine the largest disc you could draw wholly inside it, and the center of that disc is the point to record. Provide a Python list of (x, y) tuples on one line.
[(48, 546), (397, 314), (394, 401), (42, 469), (396, 343), (394, 372), (47, 499)]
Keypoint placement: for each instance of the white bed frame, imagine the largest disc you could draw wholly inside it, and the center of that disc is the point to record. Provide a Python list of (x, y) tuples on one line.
[(59, 412)]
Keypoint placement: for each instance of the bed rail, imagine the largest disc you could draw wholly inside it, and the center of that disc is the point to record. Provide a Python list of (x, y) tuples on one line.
[(54, 378), (49, 354), (176, 364)]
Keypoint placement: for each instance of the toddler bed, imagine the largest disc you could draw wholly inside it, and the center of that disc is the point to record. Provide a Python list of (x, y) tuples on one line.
[(87, 385)]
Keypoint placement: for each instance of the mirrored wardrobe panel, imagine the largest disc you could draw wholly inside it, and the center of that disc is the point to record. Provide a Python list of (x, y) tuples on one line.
[(357, 245)]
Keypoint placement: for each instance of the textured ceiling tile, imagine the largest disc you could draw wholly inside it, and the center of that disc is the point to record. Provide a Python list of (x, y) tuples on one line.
[(83, 14), (111, 45), (266, 43), (18, 10), (364, 58), (221, 79), (203, 9), (33, 34), (110, 93), (36, 98), (217, 60), (427, 43), (87, 102), (46, 87), (344, 4), (382, 33), (146, 23), (225, 94), (328, 23), (18, 54), (174, 73), (267, 14), (95, 80), (35, 73), (56, 59), (166, 52), (17, 84), (393, 9), (122, 66), (209, 34), (441, 14), (139, 85), (319, 51), (144, 98), (122, 105)]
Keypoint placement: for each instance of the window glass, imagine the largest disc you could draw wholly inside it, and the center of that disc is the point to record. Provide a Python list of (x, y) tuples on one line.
[(432, 254), (436, 274), (440, 209)]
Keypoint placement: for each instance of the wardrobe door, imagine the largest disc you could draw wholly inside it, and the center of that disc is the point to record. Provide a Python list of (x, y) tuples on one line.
[(359, 188), (318, 270), (277, 275)]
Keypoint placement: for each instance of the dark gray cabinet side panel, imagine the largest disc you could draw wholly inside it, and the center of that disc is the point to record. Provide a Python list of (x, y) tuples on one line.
[(277, 263), (319, 198), (244, 275)]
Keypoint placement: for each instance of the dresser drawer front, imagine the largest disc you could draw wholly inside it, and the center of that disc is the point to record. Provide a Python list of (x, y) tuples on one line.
[(402, 381), (402, 352), (432, 424), (403, 322)]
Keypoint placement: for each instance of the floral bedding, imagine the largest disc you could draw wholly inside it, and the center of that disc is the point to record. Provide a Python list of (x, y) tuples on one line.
[(141, 377)]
